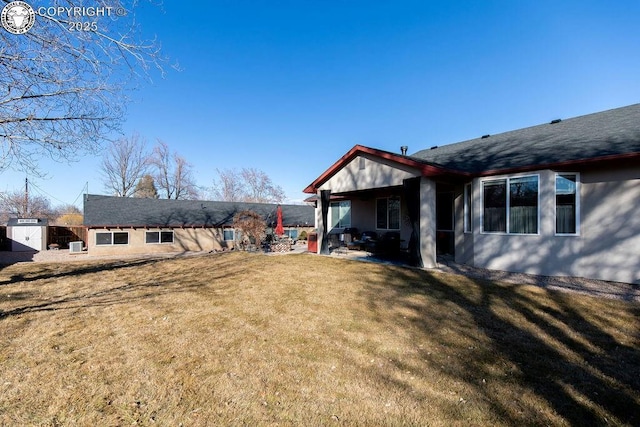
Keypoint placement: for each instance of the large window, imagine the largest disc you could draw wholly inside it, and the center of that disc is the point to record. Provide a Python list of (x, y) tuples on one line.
[(567, 204), (388, 213), (510, 205), (112, 238), (341, 214), (158, 237)]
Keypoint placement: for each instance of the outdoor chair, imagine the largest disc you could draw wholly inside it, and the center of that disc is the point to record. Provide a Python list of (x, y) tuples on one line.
[(365, 238)]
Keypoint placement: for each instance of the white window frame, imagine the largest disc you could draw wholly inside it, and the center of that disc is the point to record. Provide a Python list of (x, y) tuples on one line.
[(112, 238), (233, 234), (387, 219), (555, 203), (468, 208), (159, 242), (507, 179)]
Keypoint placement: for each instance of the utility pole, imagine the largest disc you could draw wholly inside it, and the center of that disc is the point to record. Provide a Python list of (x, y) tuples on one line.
[(26, 197)]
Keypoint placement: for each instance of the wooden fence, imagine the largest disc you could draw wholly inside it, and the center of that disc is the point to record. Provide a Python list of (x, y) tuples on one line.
[(63, 235)]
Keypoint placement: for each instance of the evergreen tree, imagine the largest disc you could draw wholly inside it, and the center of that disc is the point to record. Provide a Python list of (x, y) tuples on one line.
[(146, 188)]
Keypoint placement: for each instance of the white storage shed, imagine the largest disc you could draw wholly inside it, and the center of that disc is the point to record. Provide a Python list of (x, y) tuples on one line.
[(27, 234)]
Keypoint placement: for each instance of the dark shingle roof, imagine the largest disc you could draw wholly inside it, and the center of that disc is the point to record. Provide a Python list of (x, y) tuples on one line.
[(19, 222), (100, 211), (609, 133)]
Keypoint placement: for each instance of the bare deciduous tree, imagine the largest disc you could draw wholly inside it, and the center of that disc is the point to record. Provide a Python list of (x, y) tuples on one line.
[(173, 174), (246, 185), (251, 224), (63, 91), (260, 188), (124, 163), (228, 187), (16, 205)]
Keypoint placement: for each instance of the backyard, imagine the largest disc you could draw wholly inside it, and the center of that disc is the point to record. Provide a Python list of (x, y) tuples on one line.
[(251, 339)]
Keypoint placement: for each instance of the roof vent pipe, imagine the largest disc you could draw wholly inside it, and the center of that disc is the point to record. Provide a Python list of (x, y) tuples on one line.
[(403, 150)]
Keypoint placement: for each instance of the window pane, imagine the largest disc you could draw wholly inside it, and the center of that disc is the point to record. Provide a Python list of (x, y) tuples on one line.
[(121, 238), (228, 235), (566, 204), (523, 205), (381, 214), (495, 206), (394, 213), (166, 237), (345, 214), (151, 237), (341, 214), (335, 214), (293, 234), (103, 238)]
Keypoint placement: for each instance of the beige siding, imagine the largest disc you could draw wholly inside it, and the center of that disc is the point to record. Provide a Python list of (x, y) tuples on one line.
[(428, 222), (607, 246), (184, 240), (377, 173), (187, 239)]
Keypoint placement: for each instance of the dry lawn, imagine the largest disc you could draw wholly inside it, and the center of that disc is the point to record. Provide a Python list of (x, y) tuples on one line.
[(242, 339)]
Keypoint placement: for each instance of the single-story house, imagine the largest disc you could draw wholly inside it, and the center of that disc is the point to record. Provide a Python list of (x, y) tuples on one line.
[(561, 198), (126, 225)]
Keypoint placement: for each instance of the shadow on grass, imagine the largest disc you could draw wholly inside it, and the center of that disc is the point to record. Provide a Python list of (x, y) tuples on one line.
[(148, 286), (43, 271), (545, 346)]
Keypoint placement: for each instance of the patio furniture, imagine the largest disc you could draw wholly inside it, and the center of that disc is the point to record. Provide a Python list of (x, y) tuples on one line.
[(365, 238), (387, 246)]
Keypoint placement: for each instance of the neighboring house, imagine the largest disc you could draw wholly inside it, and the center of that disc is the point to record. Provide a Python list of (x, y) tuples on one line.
[(561, 198), (125, 225)]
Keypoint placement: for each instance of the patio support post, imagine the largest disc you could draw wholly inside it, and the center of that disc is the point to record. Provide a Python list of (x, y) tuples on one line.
[(411, 195), (323, 225), (428, 222)]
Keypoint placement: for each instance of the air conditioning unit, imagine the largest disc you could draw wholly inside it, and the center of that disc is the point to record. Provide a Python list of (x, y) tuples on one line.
[(75, 247)]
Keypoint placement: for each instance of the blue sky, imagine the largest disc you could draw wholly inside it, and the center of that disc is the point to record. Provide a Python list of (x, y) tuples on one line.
[(290, 86)]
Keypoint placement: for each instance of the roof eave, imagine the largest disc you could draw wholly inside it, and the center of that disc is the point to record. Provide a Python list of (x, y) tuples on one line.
[(563, 165), (424, 168)]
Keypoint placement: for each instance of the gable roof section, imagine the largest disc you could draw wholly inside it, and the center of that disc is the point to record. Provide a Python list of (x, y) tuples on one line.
[(425, 167), (109, 211), (608, 135), (611, 134)]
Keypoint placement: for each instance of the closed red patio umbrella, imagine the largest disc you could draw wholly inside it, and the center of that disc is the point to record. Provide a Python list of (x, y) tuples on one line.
[(279, 228)]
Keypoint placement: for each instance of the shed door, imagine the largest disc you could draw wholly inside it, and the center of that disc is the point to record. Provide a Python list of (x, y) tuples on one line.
[(26, 238)]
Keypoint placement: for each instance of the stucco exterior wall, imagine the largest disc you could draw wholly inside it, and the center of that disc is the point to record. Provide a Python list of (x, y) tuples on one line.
[(610, 229), (187, 239), (365, 172), (607, 246), (428, 222), (184, 240)]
